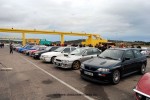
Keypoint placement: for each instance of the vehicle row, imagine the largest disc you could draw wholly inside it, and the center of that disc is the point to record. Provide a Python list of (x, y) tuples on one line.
[(103, 67)]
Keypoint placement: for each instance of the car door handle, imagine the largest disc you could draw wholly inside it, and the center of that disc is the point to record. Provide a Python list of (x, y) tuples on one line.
[(91, 56)]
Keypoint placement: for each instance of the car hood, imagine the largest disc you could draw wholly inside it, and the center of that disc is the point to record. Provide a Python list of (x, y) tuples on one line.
[(144, 84), (52, 53), (100, 62), (69, 57)]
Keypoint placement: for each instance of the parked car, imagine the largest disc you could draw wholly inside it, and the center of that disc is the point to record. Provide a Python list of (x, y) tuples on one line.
[(112, 64), (50, 56), (145, 51), (16, 46), (37, 54), (40, 48), (76, 57), (27, 47), (34, 47), (37, 48), (142, 89)]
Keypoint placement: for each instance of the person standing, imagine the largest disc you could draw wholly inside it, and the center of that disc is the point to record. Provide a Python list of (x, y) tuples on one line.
[(11, 48)]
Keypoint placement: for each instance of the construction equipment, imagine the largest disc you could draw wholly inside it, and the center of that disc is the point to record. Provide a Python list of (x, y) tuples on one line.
[(90, 39)]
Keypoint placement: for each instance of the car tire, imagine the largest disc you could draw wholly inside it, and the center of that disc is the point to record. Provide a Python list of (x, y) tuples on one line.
[(76, 65), (142, 69), (115, 77), (52, 60)]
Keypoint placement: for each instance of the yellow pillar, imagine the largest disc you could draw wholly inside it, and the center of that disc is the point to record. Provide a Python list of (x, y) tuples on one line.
[(23, 39), (62, 39), (90, 40)]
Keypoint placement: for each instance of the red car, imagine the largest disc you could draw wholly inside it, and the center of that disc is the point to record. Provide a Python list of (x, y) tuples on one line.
[(142, 90)]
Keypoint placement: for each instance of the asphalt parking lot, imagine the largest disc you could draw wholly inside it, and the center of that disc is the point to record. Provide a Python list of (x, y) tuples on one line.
[(34, 80)]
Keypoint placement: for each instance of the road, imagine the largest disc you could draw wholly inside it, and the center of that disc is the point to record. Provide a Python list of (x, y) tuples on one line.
[(34, 80)]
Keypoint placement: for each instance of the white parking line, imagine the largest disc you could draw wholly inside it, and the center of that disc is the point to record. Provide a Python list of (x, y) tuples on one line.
[(64, 83)]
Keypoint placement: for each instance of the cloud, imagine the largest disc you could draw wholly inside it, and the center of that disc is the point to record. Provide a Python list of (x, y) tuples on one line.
[(112, 19)]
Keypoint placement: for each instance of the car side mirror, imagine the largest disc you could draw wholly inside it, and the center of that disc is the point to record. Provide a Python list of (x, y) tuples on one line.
[(62, 52)]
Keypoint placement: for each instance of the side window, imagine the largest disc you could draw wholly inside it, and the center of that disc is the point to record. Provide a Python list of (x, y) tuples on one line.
[(96, 51), (66, 50), (73, 49), (89, 52), (53, 48), (129, 54), (137, 53)]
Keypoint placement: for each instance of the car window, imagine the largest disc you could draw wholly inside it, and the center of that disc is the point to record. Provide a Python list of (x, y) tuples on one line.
[(66, 50), (137, 53), (96, 51), (72, 49), (89, 52), (129, 54), (53, 48)]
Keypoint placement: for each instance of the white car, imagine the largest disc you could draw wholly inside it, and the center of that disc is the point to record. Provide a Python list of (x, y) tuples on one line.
[(49, 56), (145, 51), (76, 57)]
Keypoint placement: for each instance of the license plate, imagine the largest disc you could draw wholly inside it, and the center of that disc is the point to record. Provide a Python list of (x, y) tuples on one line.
[(88, 73)]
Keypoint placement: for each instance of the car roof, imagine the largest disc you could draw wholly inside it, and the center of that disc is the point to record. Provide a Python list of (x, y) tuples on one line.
[(124, 48)]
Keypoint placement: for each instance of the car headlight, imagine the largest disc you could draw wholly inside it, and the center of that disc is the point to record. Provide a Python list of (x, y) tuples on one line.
[(65, 61), (103, 69), (82, 66)]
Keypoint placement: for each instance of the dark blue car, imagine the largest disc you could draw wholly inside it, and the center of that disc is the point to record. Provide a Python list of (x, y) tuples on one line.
[(112, 64)]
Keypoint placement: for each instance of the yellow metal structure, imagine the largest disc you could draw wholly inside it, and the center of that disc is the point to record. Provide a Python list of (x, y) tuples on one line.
[(90, 39), (23, 39), (34, 41)]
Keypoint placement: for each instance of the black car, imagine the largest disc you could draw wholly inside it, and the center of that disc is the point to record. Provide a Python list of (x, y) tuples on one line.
[(37, 54), (112, 64)]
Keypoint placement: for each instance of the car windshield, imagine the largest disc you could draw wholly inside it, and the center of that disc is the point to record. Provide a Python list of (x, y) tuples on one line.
[(35, 47), (48, 48), (60, 49), (78, 51), (112, 54)]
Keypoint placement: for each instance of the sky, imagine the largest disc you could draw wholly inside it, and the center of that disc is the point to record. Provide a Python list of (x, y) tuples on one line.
[(112, 19)]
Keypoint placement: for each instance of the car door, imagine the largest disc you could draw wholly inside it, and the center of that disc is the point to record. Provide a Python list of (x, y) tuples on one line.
[(138, 61), (88, 54), (128, 62)]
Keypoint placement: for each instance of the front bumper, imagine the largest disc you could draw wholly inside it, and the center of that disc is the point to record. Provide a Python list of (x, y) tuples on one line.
[(95, 76), (45, 59), (36, 56), (63, 65), (142, 95)]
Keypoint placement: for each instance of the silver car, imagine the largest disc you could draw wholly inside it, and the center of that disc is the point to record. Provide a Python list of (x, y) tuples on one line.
[(76, 57)]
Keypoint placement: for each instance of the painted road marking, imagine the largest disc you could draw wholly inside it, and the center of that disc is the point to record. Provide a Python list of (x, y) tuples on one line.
[(76, 90)]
